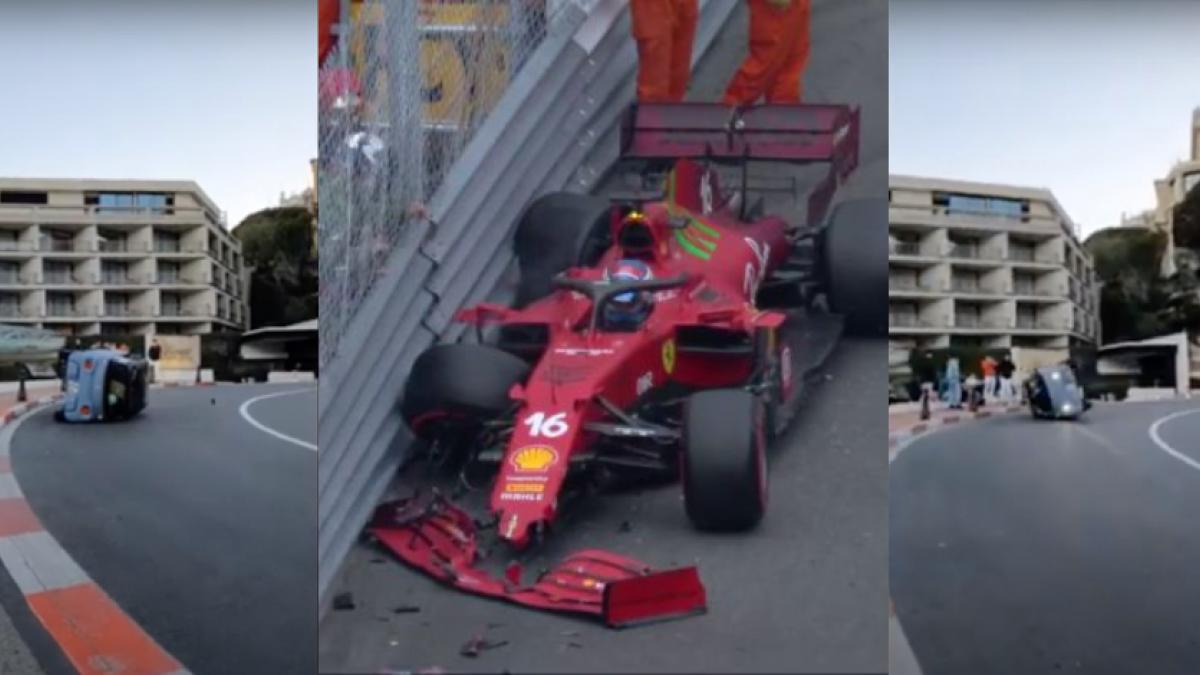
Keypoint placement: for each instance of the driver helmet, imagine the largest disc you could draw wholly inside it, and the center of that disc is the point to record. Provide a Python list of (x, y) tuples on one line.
[(628, 310)]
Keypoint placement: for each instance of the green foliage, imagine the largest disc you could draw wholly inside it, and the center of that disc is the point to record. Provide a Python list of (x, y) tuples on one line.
[(1187, 220), (1136, 301), (277, 244)]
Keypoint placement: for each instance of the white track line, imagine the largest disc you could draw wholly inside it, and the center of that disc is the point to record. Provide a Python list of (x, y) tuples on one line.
[(1163, 444), (244, 411)]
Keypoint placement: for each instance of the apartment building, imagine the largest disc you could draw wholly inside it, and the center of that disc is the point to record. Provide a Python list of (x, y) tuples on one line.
[(977, 264), (117, 256), (1170, 191)]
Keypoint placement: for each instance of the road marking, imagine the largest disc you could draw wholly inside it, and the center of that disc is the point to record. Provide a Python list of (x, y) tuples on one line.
[(244, 411), (1165, 446), (1104, 442)]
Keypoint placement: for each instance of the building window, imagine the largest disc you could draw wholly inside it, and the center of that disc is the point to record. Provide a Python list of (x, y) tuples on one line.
[(168, 272), (166, 242), (981, 206), (22, 197), (60, 304), (9, 272)]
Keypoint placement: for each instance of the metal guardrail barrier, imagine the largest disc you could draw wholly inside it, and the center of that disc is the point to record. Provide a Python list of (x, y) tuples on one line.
[(554, 127)]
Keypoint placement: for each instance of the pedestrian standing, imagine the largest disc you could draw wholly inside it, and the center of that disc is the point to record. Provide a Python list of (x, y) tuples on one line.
[(1005, 371), (779, 46), (953, 384), (988, 367), (664, 31)]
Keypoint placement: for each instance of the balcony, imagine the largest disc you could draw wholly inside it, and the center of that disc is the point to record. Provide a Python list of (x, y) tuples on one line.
[(18, 247), (123, 311), (1028, 323), (124, 279), (178, 311), (14, 312), (64, 246), (69, 312), (14, 279), (67, 279), (905, 248), (179, 280)]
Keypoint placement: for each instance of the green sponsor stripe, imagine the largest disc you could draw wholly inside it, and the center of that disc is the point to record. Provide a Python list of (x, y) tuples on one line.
[(695, 238), (690, 247), (703, 227)]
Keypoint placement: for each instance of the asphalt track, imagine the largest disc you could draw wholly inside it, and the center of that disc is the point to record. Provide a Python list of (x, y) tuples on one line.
[(1031, 546), (199, 525)]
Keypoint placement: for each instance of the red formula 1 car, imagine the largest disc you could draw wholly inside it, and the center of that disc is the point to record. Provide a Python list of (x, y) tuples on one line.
[(653, 335)]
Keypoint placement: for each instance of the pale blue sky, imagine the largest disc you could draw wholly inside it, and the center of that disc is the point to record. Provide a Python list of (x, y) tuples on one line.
[(1092, 99), (223, 92)]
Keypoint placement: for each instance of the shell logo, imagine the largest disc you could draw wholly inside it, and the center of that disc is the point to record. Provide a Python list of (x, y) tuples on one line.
[(534, 458)]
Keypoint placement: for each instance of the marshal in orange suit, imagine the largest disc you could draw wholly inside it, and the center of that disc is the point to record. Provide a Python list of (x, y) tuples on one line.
[(664, 30), (779, 45)]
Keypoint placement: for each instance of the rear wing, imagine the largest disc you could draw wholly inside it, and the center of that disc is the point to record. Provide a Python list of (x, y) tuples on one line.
[(793, 133)]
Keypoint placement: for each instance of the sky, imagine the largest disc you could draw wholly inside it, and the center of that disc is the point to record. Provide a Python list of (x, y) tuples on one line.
[(222, 92), (1092, 99)]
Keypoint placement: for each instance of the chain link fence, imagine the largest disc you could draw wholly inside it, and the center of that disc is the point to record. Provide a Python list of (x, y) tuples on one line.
[(401, 95)]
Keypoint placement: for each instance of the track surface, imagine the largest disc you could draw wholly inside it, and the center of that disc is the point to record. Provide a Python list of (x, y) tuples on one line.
[(1028, 546), (200, 526)]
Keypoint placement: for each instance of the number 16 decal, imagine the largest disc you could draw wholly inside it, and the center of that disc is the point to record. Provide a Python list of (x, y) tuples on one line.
[(551, 426)]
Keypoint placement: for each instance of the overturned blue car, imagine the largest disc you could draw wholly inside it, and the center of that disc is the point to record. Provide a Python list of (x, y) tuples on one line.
[(1053, 393), (102, 385)]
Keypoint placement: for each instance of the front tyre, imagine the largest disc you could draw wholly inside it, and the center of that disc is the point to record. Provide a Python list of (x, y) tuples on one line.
[(724, 460)]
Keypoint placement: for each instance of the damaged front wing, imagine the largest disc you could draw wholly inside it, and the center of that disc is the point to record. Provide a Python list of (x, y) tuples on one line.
[(438, 538)]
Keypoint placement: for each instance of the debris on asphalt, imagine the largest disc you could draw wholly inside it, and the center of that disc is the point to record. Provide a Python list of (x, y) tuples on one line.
[(494, 624), (576, 645), (625, 526), (343, 601), (569, 633), (406, 609), (478, 644), (213, 400), (377, 561)]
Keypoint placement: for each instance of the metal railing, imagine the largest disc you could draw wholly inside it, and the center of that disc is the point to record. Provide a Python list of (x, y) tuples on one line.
[(906, 248), (65, 311)]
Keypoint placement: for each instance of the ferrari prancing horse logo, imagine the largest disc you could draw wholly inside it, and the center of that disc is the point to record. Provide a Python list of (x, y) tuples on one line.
[(668, 356)]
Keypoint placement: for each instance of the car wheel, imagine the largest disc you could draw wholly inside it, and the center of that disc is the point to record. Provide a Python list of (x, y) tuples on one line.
[(854, 262), (461, 381), (724, 460), (558, 231), (60, 416)]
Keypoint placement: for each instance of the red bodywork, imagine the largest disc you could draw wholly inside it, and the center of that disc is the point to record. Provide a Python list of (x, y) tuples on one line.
[(695, 236), (723, 261)]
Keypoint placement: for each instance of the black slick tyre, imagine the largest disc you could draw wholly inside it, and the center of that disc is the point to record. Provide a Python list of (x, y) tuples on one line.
[(724, 463), (468, 382), (855, 265)]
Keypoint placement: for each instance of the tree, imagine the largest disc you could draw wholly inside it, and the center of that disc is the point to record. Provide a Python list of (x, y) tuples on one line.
[(1187, 220), (277, 245), (1136, 301)]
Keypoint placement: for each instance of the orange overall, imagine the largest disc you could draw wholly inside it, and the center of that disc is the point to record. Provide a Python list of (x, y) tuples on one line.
[(664, 30), (779, 44)]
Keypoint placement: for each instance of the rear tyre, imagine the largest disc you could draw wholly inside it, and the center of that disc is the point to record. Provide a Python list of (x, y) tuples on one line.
[(558, 231), (724, 460), (855, 264), (60, 416), (466, 383)]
